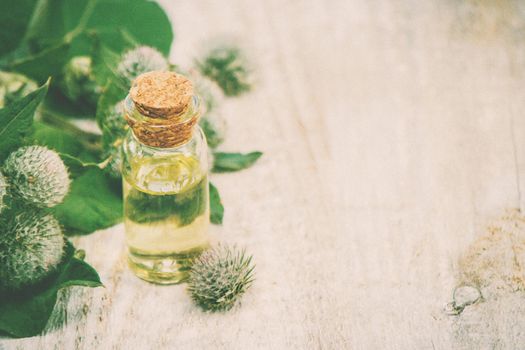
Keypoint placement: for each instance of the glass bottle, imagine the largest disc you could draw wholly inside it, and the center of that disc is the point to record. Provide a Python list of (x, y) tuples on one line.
[(165, 182)]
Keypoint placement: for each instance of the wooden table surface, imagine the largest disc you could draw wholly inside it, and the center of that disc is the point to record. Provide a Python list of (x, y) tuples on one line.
[(393, 134)]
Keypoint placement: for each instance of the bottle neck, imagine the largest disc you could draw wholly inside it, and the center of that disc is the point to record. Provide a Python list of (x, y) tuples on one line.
[(163, 131)]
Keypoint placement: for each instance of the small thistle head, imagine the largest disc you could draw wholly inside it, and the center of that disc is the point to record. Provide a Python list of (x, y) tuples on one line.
[(219, 277), (113, 122), (31, 247), (37, 175), (78, 81), (140, 60), (3, 192), (208, 90), (214, 127), (227, 66), (14, 86)]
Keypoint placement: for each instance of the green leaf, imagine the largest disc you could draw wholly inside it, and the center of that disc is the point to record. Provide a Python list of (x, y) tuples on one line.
[(105, 63), (226, 162), (14, 17), (143, 20), (92, 204), (61, 29), (26, 314), (68, 144), (76, 159), (75, 166), (57, 103), (216, 207), (111, 95), (45, 63), (16, 120), (56, 139)]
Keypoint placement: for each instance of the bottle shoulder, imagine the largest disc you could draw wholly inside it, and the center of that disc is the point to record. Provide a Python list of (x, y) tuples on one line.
[(165, 170)]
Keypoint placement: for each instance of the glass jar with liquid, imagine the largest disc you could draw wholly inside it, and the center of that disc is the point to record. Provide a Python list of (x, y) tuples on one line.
[(165, 178)]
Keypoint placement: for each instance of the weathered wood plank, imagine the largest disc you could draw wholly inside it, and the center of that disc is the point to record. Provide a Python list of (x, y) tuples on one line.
[(393, 134)]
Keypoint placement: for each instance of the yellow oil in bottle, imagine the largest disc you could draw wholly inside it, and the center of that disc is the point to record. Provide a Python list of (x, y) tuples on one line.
[(166, 212)]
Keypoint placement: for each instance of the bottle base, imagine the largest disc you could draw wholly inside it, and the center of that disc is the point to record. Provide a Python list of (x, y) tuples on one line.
[(163, 269)]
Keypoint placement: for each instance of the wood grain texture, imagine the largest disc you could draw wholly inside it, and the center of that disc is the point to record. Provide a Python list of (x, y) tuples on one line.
[(393, 133)]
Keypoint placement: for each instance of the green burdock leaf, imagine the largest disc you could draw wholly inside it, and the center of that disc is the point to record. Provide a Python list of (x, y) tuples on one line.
[(92, 204), (14, 17), (144, 21), (56, 19), (73, 153), (26, 314), (45, 63), (75, 166), (105, 63), (16, 120), (216, 207), (111, 95), (55, 138), (227, 162)]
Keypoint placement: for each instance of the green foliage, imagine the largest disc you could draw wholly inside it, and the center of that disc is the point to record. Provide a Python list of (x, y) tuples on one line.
[(227, 67), (37, 175), (14, 18), (114, 129), (105, 64), (73, 153), (213, 126), (94, 201), (227, 162), (44, 37), (78, 81), (92, 204), (16, 120), (56, 139), (25, 313), (76, 166), (61, 20), (31, 247), (219, 277), (42, 64), (216, 207), (112, 94)]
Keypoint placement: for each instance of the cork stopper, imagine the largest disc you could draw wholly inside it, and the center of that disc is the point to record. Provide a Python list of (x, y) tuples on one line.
[(161, 94), (163, 113)]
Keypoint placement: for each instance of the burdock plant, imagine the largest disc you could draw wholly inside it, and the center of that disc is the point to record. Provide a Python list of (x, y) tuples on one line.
[(114, 128), (219, 277), (78, 81), (140, 60), (14, 86), (37, 175), (31, 246), (227, 66)]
